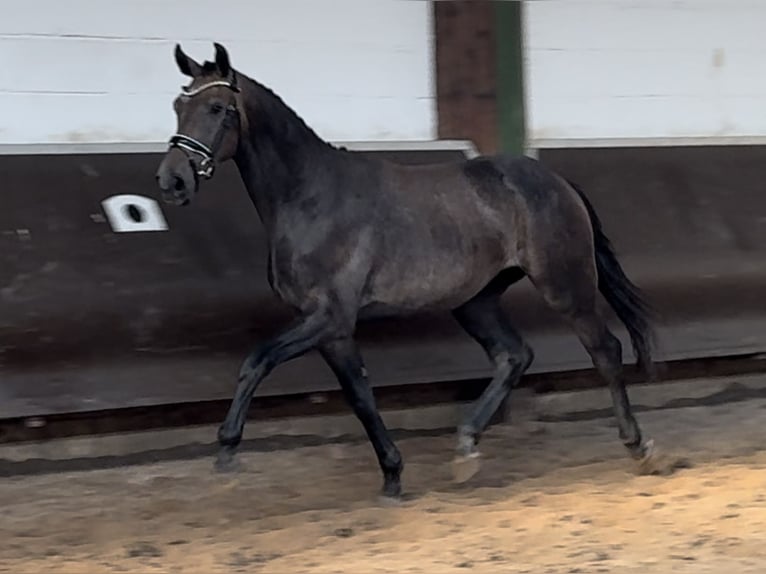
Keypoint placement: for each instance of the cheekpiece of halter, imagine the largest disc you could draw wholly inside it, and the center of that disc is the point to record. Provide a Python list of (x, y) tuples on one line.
[(183, 142)]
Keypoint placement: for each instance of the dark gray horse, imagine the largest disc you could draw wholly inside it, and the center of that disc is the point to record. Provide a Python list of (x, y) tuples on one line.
[(352, 237)]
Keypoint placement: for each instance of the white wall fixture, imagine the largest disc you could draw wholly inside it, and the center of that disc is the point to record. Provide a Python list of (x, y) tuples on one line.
[(133, 213)]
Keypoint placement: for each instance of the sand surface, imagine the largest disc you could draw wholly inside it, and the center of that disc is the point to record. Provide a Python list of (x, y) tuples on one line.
[(550, 498)]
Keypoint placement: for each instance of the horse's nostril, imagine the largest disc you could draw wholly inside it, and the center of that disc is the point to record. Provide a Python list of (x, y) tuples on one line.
[(179, 184)]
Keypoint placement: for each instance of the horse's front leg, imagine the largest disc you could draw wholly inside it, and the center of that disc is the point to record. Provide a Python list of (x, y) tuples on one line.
[(342, 355), (302, 337)]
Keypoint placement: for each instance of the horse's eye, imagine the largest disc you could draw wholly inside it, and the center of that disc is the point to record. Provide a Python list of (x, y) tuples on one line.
[(216, 108)]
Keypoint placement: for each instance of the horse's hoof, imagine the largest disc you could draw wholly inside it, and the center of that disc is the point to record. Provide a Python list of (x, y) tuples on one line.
[(465, 466), (227, 463), (654, 462), (650, 460), (388, 500), (391, 491), (400, 499)]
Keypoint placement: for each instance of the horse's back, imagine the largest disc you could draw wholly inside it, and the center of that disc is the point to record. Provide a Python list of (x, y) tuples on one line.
[(524, 177), (536, 190), (439, 242)]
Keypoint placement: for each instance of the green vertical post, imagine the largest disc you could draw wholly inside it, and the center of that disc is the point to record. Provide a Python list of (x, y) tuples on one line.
[(510, 76)]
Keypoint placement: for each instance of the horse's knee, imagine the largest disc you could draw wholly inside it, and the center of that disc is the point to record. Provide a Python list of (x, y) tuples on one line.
[(257, 364), (511, 364), (518, 359)]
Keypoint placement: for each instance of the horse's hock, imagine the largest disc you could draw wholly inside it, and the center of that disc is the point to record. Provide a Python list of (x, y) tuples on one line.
[(94, 318)]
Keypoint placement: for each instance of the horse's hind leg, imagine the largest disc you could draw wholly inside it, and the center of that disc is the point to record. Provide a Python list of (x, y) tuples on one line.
[(606, 353), (483, 319), (571, 290)]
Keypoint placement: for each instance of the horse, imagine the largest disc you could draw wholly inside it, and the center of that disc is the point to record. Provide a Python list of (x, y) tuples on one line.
[(351, 237)]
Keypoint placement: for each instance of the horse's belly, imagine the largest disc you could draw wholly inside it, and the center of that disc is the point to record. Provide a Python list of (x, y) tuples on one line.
[(427, 287)]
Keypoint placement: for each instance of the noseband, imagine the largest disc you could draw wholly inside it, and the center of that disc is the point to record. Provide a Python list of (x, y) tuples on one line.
[(188, 144)]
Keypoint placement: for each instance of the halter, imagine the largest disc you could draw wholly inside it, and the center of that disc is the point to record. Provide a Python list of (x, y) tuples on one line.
[(189, 144)]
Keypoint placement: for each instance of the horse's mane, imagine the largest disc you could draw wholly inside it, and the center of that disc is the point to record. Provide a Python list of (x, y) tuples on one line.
[(281, 118)]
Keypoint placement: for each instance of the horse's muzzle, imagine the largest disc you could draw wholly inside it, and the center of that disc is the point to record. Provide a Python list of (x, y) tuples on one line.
[(176, 180), (177, 198)]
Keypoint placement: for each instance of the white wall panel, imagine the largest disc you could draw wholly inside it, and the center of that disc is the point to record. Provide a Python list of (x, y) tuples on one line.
[(102, 71), (653, 69)]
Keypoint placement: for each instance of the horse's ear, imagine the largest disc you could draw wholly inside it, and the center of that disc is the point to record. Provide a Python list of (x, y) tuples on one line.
[(187, 66), (222, 59)]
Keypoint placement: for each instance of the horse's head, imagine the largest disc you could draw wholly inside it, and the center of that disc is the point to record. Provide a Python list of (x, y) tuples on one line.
[(208, 117)]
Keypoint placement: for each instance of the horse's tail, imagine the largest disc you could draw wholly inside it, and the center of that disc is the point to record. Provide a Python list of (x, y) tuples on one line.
[(622, 295)]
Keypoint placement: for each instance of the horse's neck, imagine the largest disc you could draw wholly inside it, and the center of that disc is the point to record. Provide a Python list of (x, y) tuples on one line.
[(278, 182), (275, 160)]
